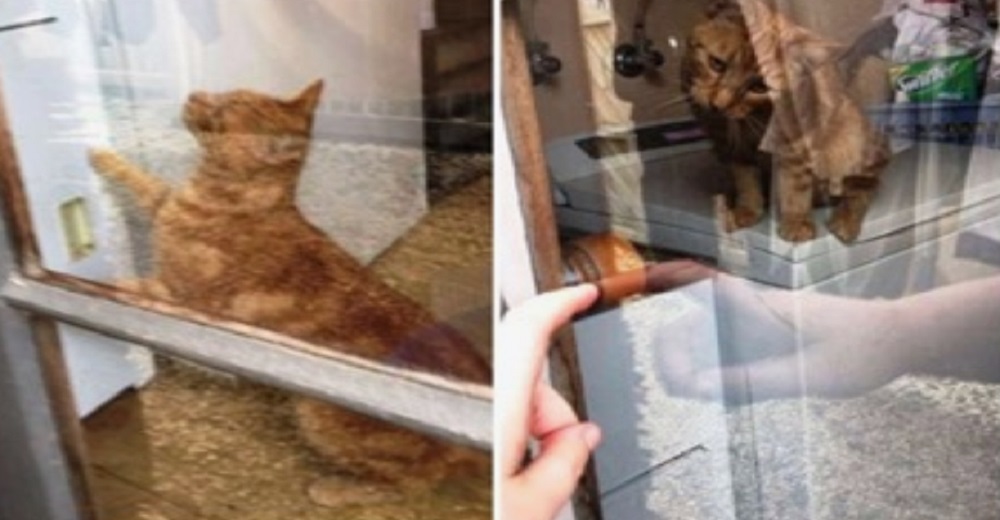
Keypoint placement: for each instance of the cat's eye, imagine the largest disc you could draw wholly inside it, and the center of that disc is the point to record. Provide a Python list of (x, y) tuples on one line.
[(717, 64)]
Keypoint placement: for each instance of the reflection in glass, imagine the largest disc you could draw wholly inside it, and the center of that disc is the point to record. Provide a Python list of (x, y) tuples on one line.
[(328, 171), (807, 372), (197, 444), (276, 165)]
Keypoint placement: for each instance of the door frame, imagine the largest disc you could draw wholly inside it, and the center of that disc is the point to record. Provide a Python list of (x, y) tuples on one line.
[(533, 198)]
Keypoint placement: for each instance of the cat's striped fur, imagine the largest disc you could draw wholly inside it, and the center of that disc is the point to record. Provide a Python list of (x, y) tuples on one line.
[(746, 64), (231, 242)]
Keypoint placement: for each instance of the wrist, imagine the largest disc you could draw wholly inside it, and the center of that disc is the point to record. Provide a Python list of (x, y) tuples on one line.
[(954, 329)]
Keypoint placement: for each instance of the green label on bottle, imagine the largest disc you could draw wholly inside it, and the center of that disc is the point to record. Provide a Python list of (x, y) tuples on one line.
[(944, 79)]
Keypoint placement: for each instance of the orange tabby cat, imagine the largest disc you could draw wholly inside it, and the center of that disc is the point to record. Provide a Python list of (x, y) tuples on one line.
[(758, 83), (231, 242)]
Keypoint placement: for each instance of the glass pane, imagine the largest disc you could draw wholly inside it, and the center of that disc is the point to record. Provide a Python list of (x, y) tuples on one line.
[(317, 168), (831, 171), (320, 168), (197, 444)]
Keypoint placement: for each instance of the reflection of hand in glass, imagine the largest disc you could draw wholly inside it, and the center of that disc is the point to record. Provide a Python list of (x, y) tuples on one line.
[(778, 343), (528, 408)]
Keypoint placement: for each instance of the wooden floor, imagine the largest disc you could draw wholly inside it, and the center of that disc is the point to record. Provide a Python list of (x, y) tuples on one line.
[(197, 445)]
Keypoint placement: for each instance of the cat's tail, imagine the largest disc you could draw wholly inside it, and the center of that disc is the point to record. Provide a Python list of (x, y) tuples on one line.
[(440, 349), (149, 191)]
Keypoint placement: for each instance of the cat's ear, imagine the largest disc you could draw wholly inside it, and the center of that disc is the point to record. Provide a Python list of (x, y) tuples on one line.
[(308, 99)]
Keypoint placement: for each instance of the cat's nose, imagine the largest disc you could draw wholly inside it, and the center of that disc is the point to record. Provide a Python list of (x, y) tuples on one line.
[(722, 100)]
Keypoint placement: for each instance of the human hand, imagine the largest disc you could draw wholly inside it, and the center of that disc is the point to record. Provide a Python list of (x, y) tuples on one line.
[(527, 407), (777, 343)]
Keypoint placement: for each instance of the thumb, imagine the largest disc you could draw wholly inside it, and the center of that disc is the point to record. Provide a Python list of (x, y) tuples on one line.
[(554, 474)]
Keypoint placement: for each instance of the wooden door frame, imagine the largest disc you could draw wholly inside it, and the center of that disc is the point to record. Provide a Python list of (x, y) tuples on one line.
[(534, 200)]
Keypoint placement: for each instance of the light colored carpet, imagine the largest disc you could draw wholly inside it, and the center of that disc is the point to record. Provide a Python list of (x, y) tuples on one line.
[(196, 445), (919, 448)]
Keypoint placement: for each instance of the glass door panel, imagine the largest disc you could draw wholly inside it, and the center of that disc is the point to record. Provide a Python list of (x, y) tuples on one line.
[(287, 204), (798, 235)]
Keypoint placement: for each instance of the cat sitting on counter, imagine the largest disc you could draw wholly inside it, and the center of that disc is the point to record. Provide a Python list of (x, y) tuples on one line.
[(772, 100)]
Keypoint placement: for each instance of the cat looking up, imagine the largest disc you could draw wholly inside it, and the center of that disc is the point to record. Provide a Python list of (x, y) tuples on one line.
[(231, 242)]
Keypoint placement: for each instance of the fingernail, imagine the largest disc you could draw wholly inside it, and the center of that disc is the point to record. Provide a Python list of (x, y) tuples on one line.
[(591, 435)]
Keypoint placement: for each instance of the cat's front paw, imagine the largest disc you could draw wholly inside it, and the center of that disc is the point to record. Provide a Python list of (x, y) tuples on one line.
[(845, 227), (102, 160), (737, 218), (744, 217), (796, 230)]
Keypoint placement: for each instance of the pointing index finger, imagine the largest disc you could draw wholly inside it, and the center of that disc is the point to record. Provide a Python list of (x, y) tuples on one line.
[(525, 336)]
